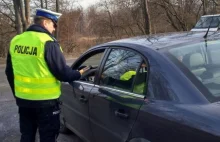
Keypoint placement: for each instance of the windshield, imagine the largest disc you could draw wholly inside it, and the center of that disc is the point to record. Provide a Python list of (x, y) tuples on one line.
[(203, 61), (204, 22)]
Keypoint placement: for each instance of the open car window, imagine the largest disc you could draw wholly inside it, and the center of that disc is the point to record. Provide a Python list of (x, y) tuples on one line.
[(92, 60)]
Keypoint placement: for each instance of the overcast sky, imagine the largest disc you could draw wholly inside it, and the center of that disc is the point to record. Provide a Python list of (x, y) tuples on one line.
[(86, 3)]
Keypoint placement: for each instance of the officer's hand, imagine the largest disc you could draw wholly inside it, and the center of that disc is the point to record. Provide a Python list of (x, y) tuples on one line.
[(84, 69), (81, 71)]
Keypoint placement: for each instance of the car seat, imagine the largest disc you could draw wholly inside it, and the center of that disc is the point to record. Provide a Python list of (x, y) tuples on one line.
[(195, 63)]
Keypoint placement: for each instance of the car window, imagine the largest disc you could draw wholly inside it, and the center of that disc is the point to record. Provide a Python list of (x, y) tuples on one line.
[(92, 59), (123, 70), (208, 21), (202, 60)]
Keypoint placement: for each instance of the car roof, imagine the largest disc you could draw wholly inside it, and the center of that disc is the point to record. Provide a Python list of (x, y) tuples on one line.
[(211, 15), (160, 41)]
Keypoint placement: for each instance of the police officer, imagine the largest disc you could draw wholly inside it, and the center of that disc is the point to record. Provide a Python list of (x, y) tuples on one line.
[(35, 67)]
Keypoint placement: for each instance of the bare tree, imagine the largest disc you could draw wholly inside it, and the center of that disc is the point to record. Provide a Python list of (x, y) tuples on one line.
[(22, 14), (180, 14), (18, 23), (108, 20), (57, 10), (146, 17), (218, 7), (204, 4), (106, 5), (46, 4), (41, 4), (27, 12), (23, 17)]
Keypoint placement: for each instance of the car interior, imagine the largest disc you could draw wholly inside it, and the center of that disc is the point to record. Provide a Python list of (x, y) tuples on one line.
[(91, 62), (88, 75), (136, 80), (208, 74), (123, 84), (195, 63)]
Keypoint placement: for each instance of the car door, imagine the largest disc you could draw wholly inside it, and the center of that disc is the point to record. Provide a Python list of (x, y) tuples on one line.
[(114, 103), (75, 96)]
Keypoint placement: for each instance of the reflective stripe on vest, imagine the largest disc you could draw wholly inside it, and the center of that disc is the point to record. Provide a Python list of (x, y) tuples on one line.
[(32, 78), (37, 91)]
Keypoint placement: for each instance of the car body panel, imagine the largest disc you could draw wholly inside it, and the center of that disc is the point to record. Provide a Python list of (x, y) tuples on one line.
[(75, 104), (112, 114), (172, 123), (173, 109)]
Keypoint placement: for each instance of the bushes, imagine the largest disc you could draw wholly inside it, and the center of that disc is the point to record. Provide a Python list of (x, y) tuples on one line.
[(76, 47)]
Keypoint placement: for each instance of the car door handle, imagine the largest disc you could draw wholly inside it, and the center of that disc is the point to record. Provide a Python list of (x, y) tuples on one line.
[(121, 114), (83, 99)]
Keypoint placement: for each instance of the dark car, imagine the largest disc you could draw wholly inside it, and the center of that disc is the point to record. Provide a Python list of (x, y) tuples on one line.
[(161, 88)]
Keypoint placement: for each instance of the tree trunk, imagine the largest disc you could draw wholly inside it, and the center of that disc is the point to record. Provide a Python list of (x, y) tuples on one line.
[(18, 25), (218, 9), (204, 7), (46, 4), (146, 16), (57, 10), (41, 4), (27, 12), (111, 26), (23, 19)]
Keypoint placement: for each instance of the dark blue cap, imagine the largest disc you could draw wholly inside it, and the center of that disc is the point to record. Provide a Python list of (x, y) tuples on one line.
[(54, 16)]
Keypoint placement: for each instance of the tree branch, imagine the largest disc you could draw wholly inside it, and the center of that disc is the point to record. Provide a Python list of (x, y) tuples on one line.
[(6, 15)]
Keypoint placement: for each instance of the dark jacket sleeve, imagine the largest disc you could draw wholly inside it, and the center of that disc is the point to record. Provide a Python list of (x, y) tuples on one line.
[(57, 63), (9, 72)]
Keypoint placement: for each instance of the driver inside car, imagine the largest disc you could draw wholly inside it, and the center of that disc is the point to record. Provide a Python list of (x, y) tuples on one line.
[(140, 84)]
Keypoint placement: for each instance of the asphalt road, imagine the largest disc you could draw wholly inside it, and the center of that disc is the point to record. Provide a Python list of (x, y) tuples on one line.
[(9, 119)]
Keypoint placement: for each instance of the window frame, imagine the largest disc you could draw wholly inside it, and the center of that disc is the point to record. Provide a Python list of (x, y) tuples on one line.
[(146, 78), (143, 59)]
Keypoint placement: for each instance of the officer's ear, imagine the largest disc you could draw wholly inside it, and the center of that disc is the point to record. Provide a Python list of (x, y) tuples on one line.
[(45, 23)]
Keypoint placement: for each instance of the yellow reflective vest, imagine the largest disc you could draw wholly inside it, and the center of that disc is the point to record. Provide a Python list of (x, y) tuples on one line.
[(127, 75), (138, 88), (32, 78)]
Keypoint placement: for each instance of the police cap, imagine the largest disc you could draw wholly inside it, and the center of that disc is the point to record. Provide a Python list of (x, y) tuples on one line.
[(54, 16)]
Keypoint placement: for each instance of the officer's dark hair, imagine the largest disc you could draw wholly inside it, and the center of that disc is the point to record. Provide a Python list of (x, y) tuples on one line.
[(39, 20)]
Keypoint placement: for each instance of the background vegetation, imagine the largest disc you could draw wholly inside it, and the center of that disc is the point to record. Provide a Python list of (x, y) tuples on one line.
[(107, 20)]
